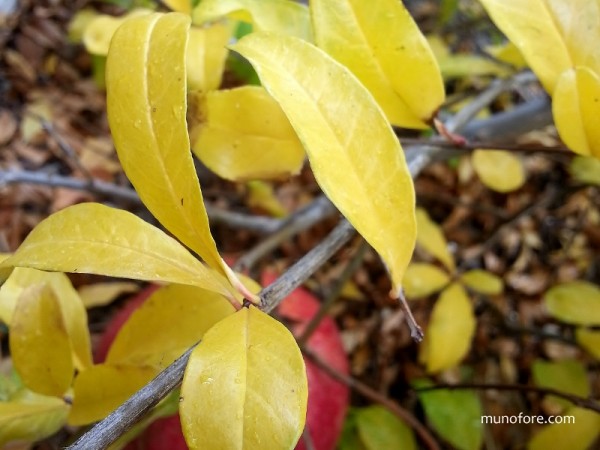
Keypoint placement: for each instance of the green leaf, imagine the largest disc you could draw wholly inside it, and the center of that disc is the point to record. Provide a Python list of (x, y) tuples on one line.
[(247, 136), (380, 429), (589, 340), (102, 388), (39, 342), (450, 330), (383, 46), (279, 16), (245, 386), (455, 415), (431, 238), (579, 434), (92, 238), (566, 376), (586, 169), (173, 319), (146, 102), (422, 279), (31, 417), (499, 170), (355, 156), (483, 282), (577, 302), (576, 107)]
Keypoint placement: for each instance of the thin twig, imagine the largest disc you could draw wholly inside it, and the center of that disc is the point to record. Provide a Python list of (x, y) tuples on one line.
[(258, 224), (576, 400), (376, 397), (319, 209)]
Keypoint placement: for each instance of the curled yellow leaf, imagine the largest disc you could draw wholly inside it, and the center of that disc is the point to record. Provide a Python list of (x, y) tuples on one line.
[(279, 16), (93, 238), (39, 342), (450, 331), (576, 108), (431, 238), (382, 45), (499, 170), (247, 136), (354, 154), (245, 386), (421, 280)]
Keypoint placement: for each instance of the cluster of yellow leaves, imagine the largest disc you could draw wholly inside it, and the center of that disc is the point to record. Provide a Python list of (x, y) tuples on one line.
[(452, 323), (556, 38)]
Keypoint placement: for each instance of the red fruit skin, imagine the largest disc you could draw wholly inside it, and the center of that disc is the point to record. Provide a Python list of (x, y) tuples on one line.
[(328, 399), (162, 434), (118, 320)]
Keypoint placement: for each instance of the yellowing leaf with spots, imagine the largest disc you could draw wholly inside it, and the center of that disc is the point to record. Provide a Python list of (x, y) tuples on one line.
[(146, 101), (577, 302), (174, 318), (102, 388), (355, 156), (553, 35), (93, 238), (383, 46), (422, 279), (285, 17), (576, 433), (39, 342), (245, 386), (576, 108), (483, 282), (205, 56), (247, 136), (499, 170), (431, 238), (450, 330)]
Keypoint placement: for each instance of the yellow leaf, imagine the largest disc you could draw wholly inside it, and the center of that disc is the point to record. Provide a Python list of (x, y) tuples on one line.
[(93, 238), (460, 65), (102, 294), (261, 195), (279, 16), (205, 57), (102, 388), (568, 376), (31, 418), (247, 136), (451, 328), (577, 302), (577, 433), (421, 280), (507, 53), (247, 372), (553, 35), (383, 46), (173, 319), (39, 342), (576, 108), (483, 282), (182, 6), (79, 22), (499, 170), (146, 101), (586, 169), (100, 30), (71, 306), (355, 156), (431, 238), (589, 340)]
